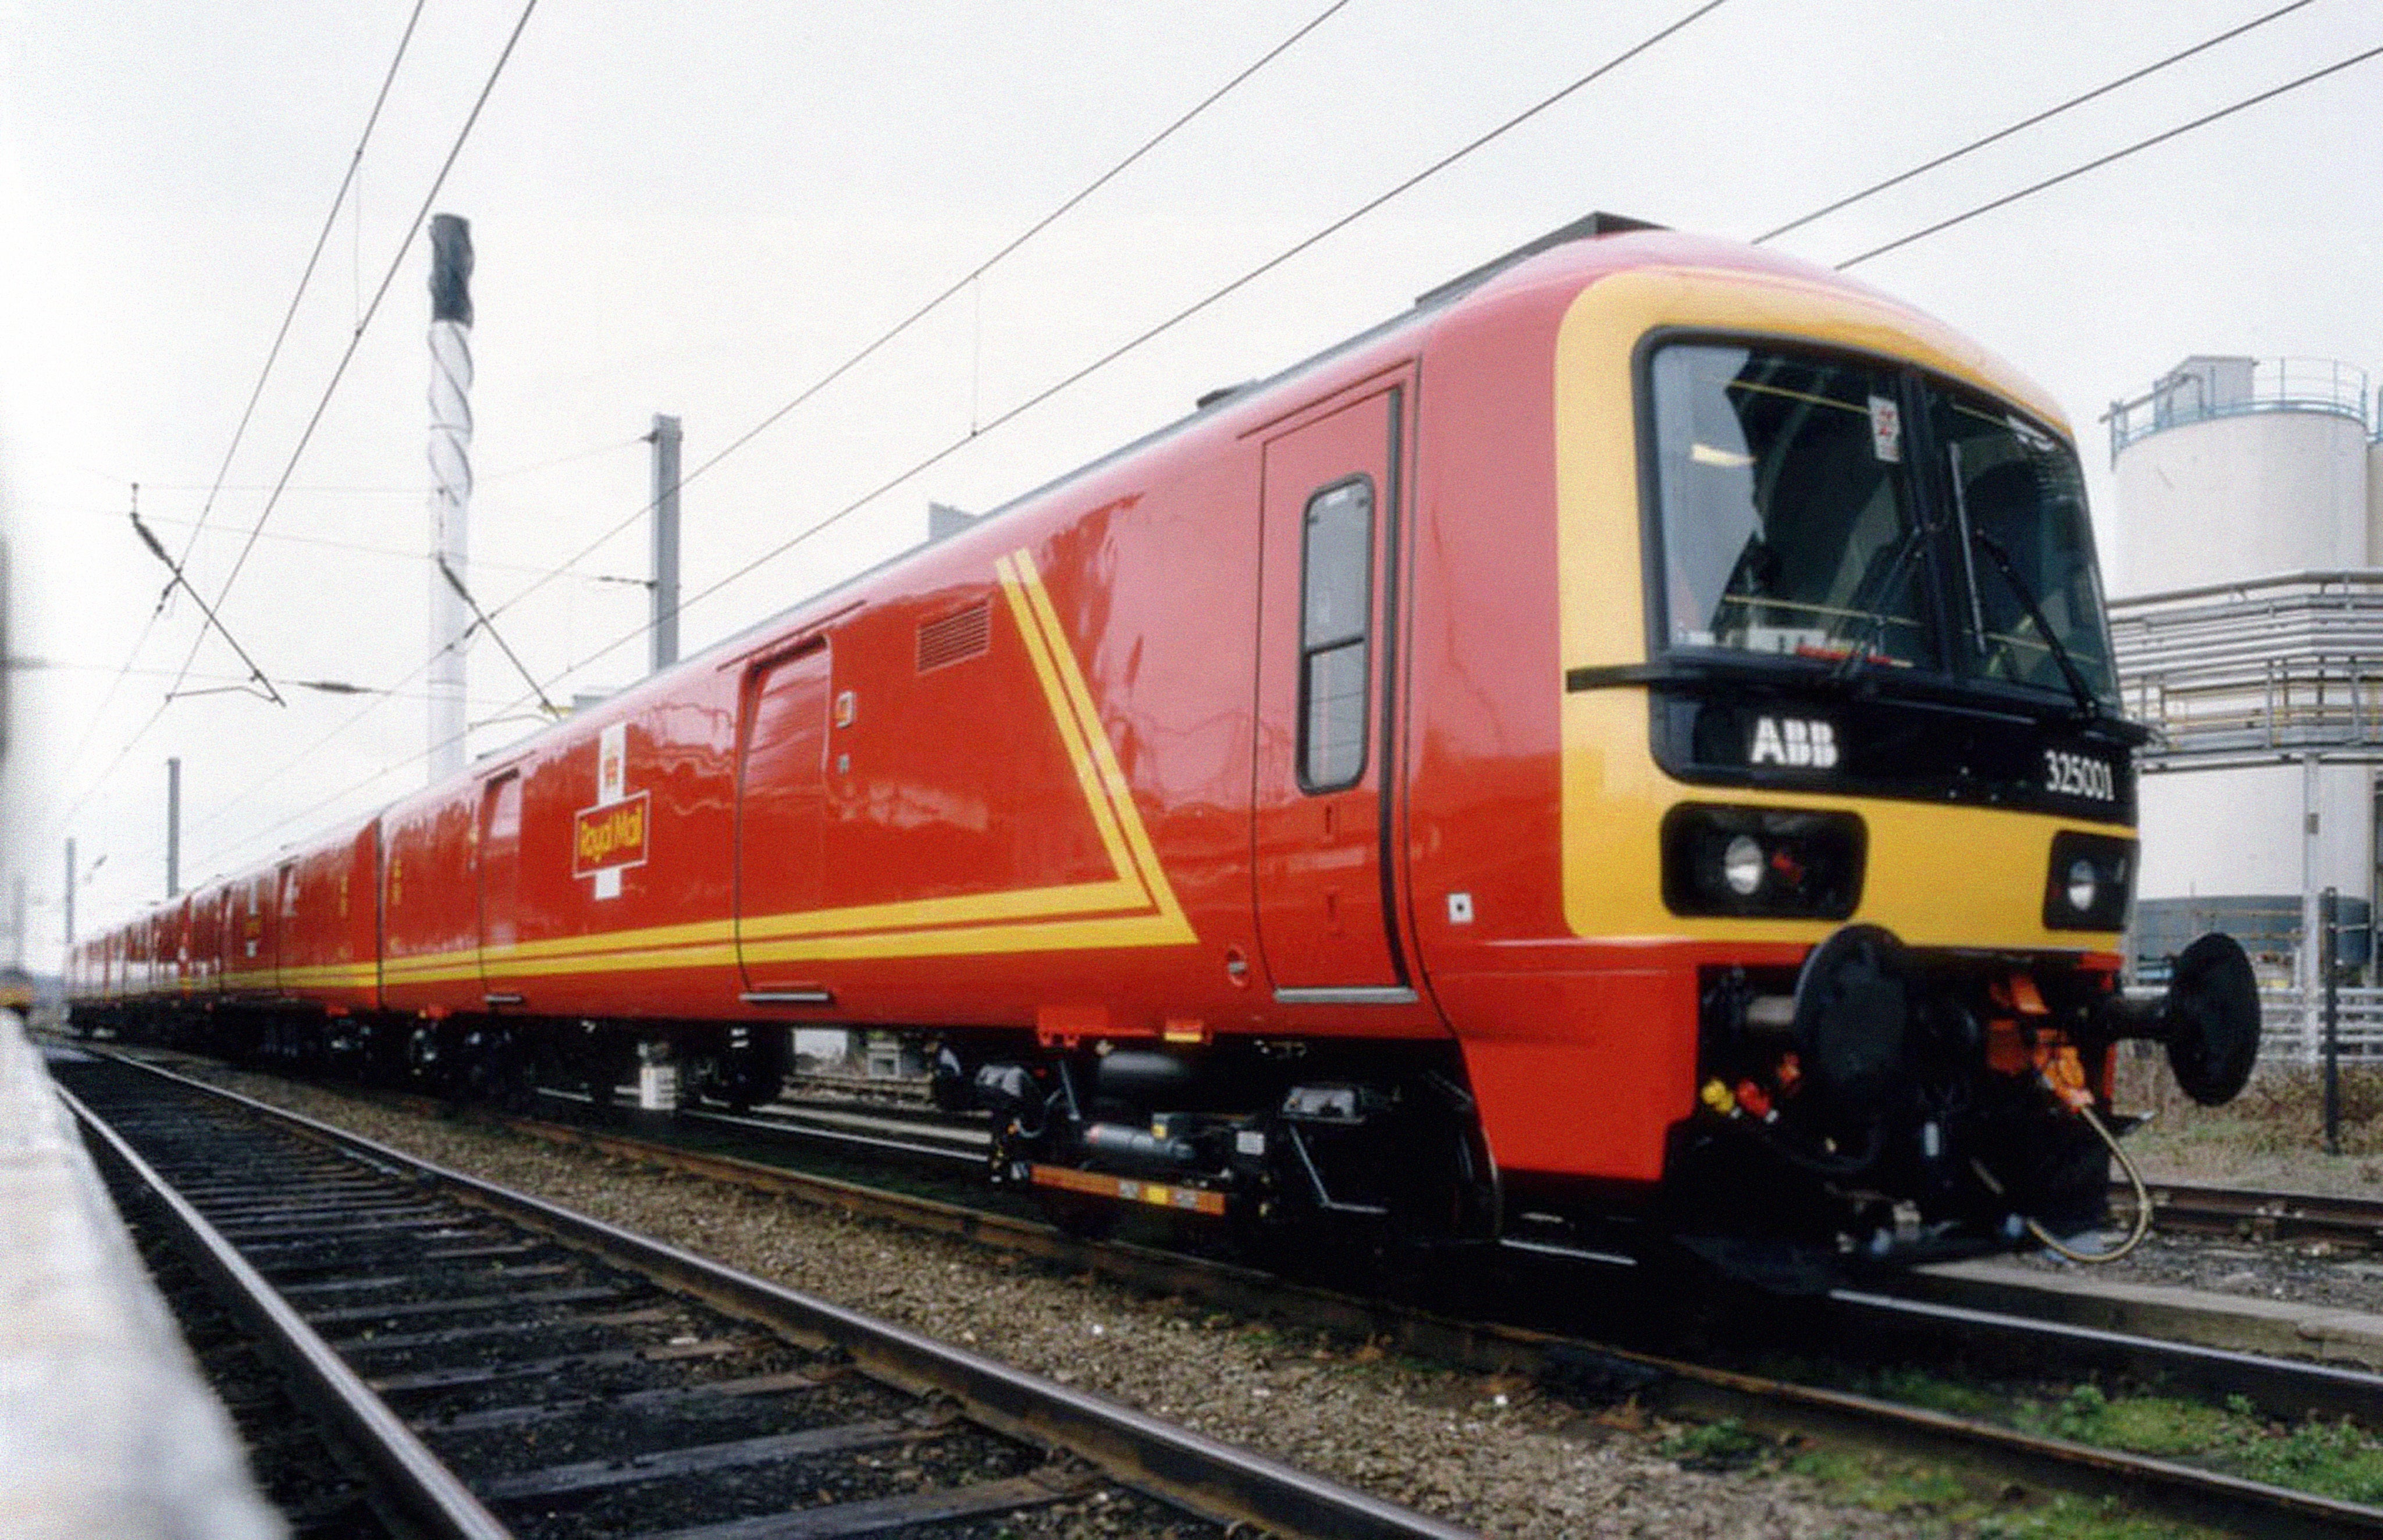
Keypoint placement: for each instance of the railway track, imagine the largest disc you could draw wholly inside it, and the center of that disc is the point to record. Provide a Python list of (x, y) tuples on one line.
[(514, 1368), (1695, 1390), (2267, 1215)]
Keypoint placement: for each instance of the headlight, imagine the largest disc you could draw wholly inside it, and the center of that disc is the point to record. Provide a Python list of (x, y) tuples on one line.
[(1762, 861), (1741, 865), (2087, 882)]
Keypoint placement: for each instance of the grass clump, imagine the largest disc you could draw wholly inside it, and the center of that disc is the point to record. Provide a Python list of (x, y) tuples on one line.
[(2066, 1518), (1728, 1445), (2332, 1458), (1936, 1500)]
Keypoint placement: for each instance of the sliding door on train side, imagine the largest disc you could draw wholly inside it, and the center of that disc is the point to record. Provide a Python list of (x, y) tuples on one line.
[(1321, 801), (781, 808), (500, 846)]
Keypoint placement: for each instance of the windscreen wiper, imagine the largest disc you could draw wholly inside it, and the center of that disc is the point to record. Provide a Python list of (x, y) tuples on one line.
[(1867, 646), (2088, 704)]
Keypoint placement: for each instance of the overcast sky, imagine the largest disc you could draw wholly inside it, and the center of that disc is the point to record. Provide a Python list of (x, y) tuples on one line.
[(701, 210)]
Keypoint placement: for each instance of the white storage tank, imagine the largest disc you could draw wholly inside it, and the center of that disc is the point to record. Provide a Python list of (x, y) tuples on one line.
[(2374, 489), (2231, 468), (2256, 481)]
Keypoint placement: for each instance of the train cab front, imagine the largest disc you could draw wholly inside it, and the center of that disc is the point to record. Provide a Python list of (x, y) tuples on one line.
[(1886, 793)]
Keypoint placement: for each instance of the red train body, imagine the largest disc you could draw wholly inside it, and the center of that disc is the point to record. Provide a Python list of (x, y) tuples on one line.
[(1279, 812)]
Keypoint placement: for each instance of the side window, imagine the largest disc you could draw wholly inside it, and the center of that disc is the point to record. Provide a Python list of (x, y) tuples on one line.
[(1337, 612)]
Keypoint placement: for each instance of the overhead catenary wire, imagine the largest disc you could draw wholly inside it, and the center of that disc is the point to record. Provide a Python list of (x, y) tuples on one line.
[(943, 296), (364, 323), (2098, 162), (1205, 302), (181, 580), (221, 681), (330, 389), (2029, 121), (272, 356), (868, 350), (480, 622), (413, 556), (479, 478)]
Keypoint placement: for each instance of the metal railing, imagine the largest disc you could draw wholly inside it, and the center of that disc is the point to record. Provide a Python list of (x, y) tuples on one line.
[(2267, 668), (2292, 1030), (2233, 388)]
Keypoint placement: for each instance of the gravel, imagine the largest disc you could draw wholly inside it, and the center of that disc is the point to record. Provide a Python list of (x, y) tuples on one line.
[(1493, 1453), (2313, 1272)]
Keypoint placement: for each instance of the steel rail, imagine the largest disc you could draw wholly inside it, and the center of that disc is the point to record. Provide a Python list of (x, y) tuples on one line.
[(2286, 1388), (800, 1122), (430, 1495), (2175, 1490), (1233, 1485), (2269, 1212)]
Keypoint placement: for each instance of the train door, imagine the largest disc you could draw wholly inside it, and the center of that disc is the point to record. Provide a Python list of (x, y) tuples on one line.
[(501, 827), (781, 804), (258, 929), (1321, 804), (286, 947)]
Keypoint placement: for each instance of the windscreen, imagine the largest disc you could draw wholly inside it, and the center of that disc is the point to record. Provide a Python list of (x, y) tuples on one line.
[(1787, 521), (2034, 599), (1799, 519)]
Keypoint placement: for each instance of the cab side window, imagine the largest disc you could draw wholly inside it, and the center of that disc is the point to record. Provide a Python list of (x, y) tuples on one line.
[(1334, 634)]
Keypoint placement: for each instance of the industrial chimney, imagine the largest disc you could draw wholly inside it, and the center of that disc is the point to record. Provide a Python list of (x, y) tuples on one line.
[(451, 472)]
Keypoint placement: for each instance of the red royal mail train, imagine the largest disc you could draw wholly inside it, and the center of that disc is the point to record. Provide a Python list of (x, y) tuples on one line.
[(1630, 742)]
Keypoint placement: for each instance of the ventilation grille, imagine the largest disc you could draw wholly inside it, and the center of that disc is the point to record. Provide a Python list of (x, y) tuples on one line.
[(956, 638)]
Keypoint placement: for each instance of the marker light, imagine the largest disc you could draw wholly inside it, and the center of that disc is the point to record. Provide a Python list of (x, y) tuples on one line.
[(2086, 881), (2083, 885)]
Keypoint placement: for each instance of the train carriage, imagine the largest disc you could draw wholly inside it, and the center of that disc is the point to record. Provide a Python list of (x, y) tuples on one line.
[(1631, 740)]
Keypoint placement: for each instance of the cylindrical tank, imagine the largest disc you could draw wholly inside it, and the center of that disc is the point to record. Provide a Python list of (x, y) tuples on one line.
[(2230, 469), (2237, 471), (2375, 491), (2239, 831)]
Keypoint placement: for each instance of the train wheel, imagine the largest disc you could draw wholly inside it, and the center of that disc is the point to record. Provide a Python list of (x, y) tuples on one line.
[(425, 1059), (597, 1063), (496, 1070)]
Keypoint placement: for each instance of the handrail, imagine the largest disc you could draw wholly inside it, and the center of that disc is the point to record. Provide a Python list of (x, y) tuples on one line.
[(2313, 576), (2287, 664), (2187, 395)]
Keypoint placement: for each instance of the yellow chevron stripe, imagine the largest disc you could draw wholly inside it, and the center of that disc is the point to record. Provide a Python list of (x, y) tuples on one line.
[(1033, 620), (1094, 735)]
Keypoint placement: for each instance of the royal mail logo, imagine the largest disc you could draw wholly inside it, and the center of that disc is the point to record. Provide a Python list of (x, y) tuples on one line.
[(611, 836)]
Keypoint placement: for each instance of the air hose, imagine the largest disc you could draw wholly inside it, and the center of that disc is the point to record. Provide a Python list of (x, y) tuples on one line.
[(2135, 1233)]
